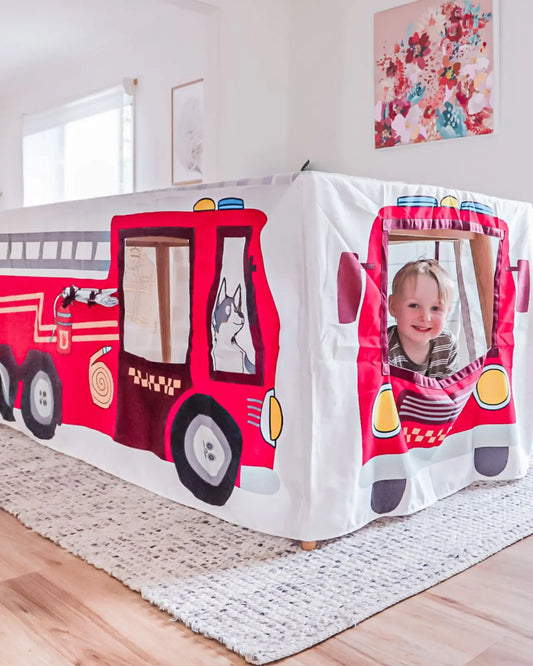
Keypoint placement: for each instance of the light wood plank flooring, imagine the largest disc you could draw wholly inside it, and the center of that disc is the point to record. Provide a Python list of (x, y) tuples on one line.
[(56, 610)]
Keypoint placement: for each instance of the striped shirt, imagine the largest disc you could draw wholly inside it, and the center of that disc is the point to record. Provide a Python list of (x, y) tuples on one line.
[(440, 361)]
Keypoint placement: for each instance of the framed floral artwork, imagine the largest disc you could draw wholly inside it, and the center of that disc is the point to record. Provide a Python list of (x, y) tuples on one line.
[(187, 132), (434, 73)]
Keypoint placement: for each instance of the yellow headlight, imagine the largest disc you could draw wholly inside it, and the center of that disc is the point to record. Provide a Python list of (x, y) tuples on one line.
[(492, 389), (385, 419), (276, 418), (271, 418)]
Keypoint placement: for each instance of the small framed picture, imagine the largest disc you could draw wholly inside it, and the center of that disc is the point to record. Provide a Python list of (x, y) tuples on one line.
[(187, 132)]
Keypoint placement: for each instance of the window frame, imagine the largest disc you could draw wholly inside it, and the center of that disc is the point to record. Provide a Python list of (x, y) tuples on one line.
[(439, 229), (165, 238), (257, 377)]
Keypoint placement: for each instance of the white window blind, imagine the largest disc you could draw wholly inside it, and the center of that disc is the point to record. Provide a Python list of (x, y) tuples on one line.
[(79, 150)]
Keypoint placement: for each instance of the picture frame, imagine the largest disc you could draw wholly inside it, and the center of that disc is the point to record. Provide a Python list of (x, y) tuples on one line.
[(435, 71), (187, 107)]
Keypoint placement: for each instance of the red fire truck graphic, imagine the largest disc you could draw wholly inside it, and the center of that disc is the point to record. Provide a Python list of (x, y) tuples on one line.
[(409, 421), (174, 352)]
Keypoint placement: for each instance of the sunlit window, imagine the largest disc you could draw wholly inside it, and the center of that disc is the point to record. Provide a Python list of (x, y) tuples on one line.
[(79, 150)]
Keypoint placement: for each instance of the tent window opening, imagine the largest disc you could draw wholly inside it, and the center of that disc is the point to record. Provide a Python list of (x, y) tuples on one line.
[(471, 263), (156, 285), (233, 349), (80, 150)]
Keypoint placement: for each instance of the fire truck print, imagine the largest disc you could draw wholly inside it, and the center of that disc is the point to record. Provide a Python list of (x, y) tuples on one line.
[(409, 421), (163, 334), (114, 331)]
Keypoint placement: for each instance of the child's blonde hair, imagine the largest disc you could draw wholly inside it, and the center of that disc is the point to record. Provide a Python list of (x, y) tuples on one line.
[(429, 267)]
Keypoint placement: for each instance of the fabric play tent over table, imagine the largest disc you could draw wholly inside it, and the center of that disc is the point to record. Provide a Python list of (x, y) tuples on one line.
[(225, 345)]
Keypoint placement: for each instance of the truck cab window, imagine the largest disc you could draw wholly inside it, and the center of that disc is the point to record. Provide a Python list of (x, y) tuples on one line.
[(156, 298), (232, 349), (470, 259)]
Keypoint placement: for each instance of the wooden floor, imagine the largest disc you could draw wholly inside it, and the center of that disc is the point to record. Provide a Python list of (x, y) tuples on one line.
[(57, 610)]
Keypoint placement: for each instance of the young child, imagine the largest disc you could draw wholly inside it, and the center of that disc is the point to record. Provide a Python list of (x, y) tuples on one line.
[(421, 298)]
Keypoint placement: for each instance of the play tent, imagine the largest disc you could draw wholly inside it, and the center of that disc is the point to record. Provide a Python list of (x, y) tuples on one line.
[(225, 345)]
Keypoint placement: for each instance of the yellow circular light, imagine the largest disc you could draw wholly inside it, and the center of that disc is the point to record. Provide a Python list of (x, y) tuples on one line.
[(450, 202), (385, 419), (204, 204), (276, 418), (492, 389)]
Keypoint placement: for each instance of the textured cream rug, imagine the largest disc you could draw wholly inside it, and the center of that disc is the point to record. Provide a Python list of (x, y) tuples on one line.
[(262, 597)]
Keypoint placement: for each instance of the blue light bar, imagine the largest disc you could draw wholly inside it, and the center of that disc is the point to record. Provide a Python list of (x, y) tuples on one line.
[(477, 207), (418, 200), (230, 203)]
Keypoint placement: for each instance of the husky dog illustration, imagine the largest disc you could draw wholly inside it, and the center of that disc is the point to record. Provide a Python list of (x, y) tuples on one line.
[(228, 320)]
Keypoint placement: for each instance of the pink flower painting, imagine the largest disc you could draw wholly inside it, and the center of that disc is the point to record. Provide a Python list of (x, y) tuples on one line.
[(433, 71)]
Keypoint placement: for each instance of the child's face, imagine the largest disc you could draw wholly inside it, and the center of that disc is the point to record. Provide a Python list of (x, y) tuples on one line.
[(420, 314)]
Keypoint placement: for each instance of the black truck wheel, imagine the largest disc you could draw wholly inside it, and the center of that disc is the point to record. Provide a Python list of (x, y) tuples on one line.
[(41, 395), (9, 382), (206, 446)]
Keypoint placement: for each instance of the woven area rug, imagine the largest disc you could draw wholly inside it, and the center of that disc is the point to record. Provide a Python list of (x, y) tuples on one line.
[(261, 596)]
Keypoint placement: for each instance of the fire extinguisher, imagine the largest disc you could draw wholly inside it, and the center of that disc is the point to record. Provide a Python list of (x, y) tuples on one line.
[(63, 319)]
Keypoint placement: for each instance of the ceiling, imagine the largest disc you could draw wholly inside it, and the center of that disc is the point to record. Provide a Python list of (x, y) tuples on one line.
[(36, 33)]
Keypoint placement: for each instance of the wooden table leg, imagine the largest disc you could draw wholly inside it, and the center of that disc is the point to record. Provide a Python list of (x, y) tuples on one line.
[(162, 255), (481, 249), (308, 545)]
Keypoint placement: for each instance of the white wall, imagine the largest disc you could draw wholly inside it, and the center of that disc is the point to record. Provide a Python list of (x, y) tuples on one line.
[(241, 49), (331, 104), (252, 74), (286, 80), (161, 57)]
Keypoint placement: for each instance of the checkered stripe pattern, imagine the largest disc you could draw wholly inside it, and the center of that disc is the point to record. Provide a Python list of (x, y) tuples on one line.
[(159, 383), (415, 435)]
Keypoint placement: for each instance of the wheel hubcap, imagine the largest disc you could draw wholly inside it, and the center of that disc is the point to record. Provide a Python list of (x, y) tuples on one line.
[(207, 450), (42, 398)]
